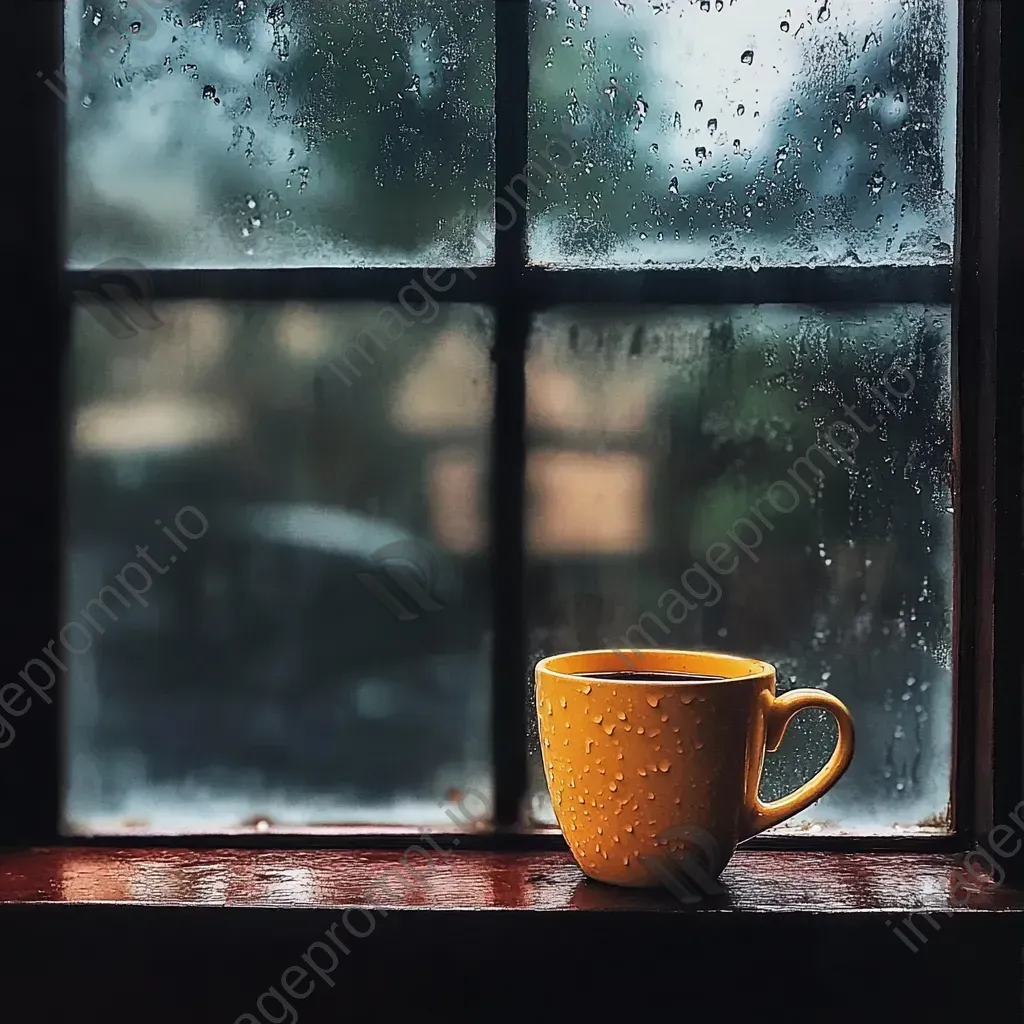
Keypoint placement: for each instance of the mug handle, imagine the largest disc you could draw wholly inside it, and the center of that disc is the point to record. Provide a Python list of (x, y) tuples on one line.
[(777, 717)]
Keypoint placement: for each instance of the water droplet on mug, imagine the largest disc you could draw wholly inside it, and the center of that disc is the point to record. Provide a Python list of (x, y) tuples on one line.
[(652, 700)]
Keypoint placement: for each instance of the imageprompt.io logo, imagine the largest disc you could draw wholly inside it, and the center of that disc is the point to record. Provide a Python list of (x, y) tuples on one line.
[(406, 574), (119, 297), (690, 866)]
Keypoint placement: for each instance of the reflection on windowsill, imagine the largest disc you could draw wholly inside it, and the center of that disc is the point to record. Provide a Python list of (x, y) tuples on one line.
[(85, 877)]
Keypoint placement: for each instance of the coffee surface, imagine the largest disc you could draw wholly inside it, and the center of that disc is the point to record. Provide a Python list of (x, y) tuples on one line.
[(653, 677)]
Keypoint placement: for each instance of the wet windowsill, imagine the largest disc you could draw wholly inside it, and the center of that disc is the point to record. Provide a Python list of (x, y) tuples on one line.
[(85, 880)]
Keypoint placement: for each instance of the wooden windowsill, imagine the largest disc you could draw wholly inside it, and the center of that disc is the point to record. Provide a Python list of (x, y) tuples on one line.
[(168, 935), (76, 880)]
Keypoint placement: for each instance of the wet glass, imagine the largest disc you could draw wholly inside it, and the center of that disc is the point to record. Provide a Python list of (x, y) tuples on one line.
[(743, 133), (276, 587), (235, 134), (765, 481)]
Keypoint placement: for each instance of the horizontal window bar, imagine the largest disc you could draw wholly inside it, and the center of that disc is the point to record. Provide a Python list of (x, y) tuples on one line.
[(525, 840), (292, 285), (788, 285), (537, 288)]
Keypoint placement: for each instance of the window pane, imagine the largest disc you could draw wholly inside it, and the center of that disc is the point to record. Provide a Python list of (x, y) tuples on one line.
[(317, 653), (258, 134), (743, 132), (768, 481)]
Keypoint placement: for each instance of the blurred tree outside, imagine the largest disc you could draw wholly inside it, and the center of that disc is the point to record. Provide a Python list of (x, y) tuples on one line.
[(283, 134), (749, 133)]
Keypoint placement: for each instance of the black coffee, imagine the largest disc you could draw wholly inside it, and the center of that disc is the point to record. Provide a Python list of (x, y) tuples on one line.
[(653, 677)]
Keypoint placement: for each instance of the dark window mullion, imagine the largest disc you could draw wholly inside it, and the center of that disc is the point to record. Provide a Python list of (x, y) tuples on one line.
[(33, 425), (1008, 555), (390, 285), (508, 454), (815, 286), (541, 287)]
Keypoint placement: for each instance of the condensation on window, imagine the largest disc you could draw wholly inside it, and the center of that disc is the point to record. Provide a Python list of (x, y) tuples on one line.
[(234, 133), (815, 446), (743, 133)]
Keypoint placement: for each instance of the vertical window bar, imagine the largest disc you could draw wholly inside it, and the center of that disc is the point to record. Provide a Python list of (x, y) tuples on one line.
[(973, 453), (975, 349), (30, 400), (509, 663), (1008, 709)]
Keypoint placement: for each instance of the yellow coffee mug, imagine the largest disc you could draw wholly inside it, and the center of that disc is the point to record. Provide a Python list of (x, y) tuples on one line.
[(644, 772)]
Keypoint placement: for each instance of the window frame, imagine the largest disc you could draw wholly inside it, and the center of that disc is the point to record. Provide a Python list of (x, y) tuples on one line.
[(987, 461)]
